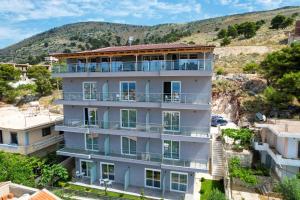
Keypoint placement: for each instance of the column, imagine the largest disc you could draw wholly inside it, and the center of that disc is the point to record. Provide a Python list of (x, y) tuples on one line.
[(93, 172), (110, 64), (147, 121), (147, 88), (106, 145), (136, 62), (105, 122), (105, 94), (204, 59), (126, 179)]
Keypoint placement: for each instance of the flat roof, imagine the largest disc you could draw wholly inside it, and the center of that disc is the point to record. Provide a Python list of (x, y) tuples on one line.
[(282, 127), (138, 49), (14, 118)]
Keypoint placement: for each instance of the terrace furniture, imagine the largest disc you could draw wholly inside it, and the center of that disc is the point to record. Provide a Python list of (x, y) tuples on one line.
[(101, 182)]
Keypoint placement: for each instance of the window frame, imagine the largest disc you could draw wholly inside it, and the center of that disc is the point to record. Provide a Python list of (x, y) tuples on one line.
[(187, 181), (16, 134), (163, 150), (121, 118), (90, 90), (1, 136), (120, 89), (47, 133), (85, 142), (107, 163), (163, 121), (80, 167), (145, 178), (129, 144), (88, 120)]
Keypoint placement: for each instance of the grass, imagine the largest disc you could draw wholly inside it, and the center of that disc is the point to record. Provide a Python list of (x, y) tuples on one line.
[(208, 185), (91, 191)]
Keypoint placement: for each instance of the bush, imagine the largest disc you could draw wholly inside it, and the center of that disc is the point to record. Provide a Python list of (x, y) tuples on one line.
[(244, 135), (202, 179), (226, 41), (216, 195), (222, 33), (220, 71), (251, 67), (280, 21), (289, 188)]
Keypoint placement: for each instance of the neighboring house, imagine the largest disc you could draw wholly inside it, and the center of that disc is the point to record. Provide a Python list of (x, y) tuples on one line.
[(279, 146), (139, 115), (29, 132), (294, 36), (9, 190)]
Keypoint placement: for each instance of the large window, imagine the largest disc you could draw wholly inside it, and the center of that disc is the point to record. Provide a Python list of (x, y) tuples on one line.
[(171, 149), (179, 181), (14, 138), (127, 90), (46, 131), (128, 118), (152, 178), (171, 120), (89, 91), (91, 142), (108, 171), (85, 168), (90, 116), (129, 145)]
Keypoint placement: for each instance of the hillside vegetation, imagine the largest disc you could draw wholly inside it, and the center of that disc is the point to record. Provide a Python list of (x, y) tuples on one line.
[(92, 35)]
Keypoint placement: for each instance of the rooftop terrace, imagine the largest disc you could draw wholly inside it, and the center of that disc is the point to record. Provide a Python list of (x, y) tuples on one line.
[(16, 119), (282, 127)]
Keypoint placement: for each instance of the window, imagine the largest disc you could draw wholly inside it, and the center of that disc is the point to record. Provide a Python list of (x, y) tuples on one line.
[(129, 145), (61, 132), (1, 137), (128, 118), (152, 178), (91, 142), (172, 91), (90, 116), (179, 181), (299, 149), (89, 91), (108, 171), (171, 149), (171, 120), (14, 138), (85, 168), (46, 131), (127, 90)]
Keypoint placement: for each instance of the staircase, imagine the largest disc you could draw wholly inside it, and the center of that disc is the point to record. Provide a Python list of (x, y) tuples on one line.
[(217, 159)]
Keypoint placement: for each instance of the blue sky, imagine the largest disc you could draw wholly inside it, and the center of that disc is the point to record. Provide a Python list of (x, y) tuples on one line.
[(20, 19)]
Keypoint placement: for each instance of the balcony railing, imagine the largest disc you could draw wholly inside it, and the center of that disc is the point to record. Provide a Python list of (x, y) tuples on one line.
[(26, 149), (142, 156), (184, 98), (142, 66), (142, 127)]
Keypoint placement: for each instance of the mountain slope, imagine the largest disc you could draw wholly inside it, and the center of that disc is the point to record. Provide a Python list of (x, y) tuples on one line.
[(90, 35)]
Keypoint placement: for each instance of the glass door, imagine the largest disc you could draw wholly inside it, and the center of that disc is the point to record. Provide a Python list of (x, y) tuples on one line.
[(91, 142), (171, 120), (171, 149), (128, 90), (175, 91), (90, 116), (128, 118), (89, 91)]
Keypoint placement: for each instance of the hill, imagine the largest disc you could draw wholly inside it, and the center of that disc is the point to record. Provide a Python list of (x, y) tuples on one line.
[(91, 35)]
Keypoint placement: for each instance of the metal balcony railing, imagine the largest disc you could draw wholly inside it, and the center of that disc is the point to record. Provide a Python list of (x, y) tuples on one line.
[(142, 156), (142, 66), (184, 98), (142, 127)]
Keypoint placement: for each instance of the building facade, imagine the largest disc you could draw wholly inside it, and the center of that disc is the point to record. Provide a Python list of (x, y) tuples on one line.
[(29, 133), (279, 146), (138, 115)]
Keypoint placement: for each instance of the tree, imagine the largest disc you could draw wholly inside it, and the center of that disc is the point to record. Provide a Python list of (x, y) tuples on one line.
[(42, 78), (281, 21), (53, 173), (8, 73), (222, 33), (226, 41), (249, 29), (232, 31), (289, 188)]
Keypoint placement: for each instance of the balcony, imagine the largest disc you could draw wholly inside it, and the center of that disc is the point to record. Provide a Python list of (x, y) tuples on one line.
[(276, 156), (153, 68), (149, 130), (28, 149), (143, 100), (147, 158)]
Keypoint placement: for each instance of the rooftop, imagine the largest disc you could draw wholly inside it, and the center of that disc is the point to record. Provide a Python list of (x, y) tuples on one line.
[(17, 119), (141, 48), (282, 127)]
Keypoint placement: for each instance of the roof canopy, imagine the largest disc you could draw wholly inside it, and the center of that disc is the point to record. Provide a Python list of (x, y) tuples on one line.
[(138, 50)]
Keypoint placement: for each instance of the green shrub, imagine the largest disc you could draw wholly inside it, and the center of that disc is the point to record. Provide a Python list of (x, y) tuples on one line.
[(244, 135), (220, 71), (222, 33), (202, 179), (216, 195), (226, 41), (251, 67), (281, 21), (289, 188)]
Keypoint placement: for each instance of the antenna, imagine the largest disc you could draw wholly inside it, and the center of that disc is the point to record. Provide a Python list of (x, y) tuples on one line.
[(130, 39)]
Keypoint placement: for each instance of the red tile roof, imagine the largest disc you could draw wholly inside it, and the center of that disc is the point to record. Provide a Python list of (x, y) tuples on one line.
[(43, 195)]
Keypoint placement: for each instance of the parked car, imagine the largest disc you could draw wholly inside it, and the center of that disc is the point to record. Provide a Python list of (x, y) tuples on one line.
[(218, 121)]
